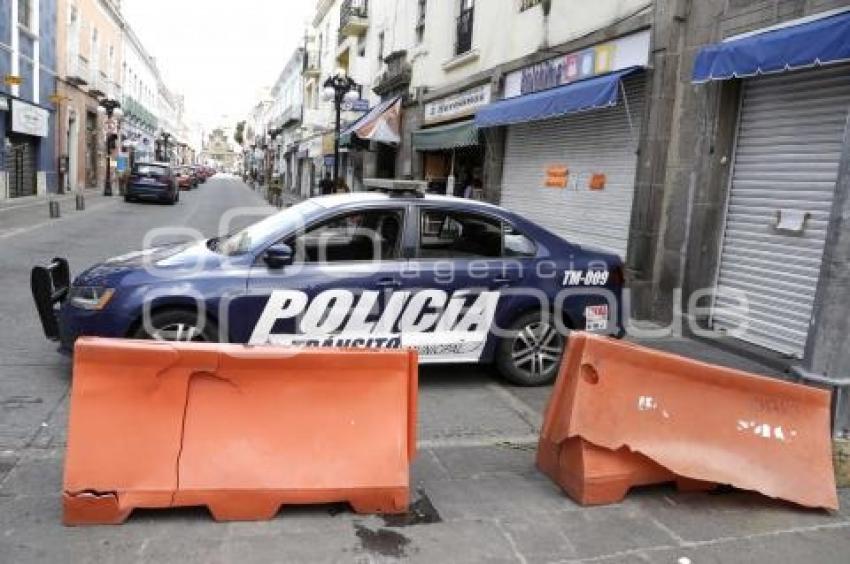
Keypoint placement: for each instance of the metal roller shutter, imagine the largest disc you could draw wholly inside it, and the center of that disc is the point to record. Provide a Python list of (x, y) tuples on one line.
[(600, 141), (790, 136)]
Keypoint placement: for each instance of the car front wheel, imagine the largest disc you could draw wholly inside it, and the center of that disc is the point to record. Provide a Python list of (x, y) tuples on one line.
[(177, 325), (531, 352)]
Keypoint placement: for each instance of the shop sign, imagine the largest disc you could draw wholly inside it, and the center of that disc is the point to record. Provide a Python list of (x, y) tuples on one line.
[(29, 119), (355, 106), (13, 80), (459, 105), (629, 51), (328, 144)]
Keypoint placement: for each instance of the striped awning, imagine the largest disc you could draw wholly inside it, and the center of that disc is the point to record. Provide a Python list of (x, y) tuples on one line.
[(381, 124)]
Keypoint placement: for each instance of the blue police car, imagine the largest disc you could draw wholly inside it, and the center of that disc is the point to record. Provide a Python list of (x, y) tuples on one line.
[(457, 279)]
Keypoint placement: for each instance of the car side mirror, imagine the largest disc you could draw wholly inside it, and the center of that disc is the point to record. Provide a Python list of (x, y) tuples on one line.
[(278, 255)]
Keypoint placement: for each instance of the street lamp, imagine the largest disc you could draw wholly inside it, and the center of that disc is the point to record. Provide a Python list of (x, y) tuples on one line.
[(339, 88), (111, 108)]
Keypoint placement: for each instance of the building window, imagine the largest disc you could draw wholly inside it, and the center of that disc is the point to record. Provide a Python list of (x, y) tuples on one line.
[(464, 27), (420, 21), (25, 13), (381, 47)]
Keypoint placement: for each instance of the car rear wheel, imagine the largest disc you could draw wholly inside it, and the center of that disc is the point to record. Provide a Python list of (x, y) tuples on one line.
[(531, 354), (178, 325)]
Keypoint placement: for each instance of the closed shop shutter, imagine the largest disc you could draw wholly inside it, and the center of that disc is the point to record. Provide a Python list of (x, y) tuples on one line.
[(22, 168), (602, 141), (790, 137)]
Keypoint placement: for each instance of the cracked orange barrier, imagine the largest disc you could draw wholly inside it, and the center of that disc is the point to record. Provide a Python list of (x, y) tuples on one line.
[(241, 430), (621, 415)]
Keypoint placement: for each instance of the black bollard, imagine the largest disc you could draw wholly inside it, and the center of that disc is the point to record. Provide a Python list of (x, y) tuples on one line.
[(81, 202), (54, 209)]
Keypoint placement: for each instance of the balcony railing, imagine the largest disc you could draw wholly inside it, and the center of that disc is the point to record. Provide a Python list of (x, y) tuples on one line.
[(78, 69), (97, 83), (464, 31), (353, 17), (396, 78)]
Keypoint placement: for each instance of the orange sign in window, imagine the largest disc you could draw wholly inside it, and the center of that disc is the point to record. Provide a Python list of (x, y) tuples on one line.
[(597, 181), (556, 176)]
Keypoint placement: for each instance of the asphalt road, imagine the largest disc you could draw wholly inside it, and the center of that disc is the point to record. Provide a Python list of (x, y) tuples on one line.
[(478, 496)]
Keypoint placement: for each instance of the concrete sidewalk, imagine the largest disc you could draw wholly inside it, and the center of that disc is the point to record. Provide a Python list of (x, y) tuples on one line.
[(21, 215)]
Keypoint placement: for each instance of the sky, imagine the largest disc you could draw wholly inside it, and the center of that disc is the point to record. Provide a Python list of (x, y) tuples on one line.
[(219, 54)]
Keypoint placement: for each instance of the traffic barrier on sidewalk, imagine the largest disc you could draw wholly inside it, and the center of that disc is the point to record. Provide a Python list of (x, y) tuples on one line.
[(621, 415), (241, 430)]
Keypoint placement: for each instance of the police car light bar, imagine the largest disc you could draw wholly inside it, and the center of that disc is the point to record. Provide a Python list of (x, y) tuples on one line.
[(395, 187)]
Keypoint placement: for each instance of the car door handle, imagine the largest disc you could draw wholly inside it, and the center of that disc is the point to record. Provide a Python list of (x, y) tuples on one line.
[(389, 283)]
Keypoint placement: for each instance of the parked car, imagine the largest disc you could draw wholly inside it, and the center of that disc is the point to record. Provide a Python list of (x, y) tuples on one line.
[(152, 181), (185, 178), (459, 280), (198, 174)]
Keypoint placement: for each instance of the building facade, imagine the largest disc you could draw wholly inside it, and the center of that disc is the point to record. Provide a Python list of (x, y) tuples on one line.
[(140, 78), (90, 42), (284, 119), (27, 102), (592, 120)]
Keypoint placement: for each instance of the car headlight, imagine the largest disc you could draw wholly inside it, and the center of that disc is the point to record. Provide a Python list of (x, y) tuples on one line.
[(90, 297)]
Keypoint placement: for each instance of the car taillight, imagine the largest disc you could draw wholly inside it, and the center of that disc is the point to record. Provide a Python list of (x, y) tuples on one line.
[(617, 276)]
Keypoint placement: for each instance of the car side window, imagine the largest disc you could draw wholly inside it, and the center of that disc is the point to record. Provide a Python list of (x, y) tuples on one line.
[(371, 235), (517, 244), (453, 234)]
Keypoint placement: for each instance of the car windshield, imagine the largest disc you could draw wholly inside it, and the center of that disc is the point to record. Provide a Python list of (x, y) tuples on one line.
[(150, 170), (283, 222)]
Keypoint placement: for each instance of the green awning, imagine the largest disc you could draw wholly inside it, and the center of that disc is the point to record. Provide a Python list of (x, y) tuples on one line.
[(463, 134)]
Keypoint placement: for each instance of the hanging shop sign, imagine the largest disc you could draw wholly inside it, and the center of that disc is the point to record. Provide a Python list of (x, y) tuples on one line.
[(629, 51), (29, 119), (12, 80), (459, 105), (358, 105)]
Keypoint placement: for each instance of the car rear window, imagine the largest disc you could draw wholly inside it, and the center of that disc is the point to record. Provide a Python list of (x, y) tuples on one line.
[(150, 170)]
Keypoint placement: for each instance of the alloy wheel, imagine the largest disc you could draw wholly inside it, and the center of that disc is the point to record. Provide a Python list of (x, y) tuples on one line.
[(179, 332), (537, 349)]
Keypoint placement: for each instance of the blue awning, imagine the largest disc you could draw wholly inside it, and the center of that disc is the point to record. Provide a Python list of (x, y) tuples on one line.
[(589, 94), (819, 42)]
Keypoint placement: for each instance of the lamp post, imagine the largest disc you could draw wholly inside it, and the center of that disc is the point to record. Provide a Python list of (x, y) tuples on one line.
[(339, 88), (111, 108)]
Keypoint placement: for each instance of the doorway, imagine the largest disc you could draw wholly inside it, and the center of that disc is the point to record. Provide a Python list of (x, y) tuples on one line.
[(73, 151), (21, 166), (91, 149)]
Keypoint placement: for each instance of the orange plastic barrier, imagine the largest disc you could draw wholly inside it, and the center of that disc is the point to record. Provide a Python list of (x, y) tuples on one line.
[(241, 430), (622, 415)]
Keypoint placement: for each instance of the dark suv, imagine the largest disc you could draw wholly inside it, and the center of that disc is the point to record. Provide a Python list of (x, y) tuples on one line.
[(152, 181)]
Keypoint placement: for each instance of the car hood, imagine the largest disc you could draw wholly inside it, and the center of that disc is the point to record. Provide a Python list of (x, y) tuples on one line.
[(155, 262)]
